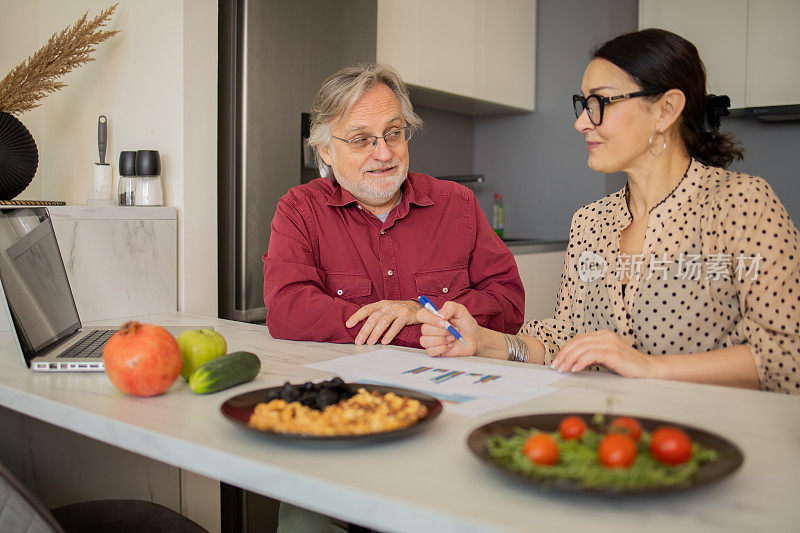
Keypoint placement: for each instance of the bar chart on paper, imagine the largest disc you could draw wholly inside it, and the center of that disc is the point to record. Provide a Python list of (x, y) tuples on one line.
[(468, 387), (440, 375)]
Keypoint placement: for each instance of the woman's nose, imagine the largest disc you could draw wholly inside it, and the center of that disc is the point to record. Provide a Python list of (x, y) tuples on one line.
[(582, 123)]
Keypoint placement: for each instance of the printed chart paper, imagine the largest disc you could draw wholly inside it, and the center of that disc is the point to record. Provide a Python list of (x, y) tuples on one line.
[(468, 387)]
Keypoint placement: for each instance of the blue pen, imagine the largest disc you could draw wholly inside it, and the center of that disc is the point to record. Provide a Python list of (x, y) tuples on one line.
[(427, 304)]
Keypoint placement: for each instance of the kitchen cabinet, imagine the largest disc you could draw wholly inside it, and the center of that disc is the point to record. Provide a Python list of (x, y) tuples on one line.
[(469, 56), (773, 47), (120, 261), (541, 277), (749, 47)]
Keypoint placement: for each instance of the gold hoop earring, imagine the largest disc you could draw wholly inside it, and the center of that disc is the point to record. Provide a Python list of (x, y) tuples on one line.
[(663, 146)]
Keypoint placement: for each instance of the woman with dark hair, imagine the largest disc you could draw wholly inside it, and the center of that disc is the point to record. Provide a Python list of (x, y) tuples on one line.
[(690, 272)]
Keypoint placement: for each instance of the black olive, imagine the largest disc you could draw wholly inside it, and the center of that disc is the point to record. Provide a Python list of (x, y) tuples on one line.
[(315, 395), (291, 396), (325, 398)]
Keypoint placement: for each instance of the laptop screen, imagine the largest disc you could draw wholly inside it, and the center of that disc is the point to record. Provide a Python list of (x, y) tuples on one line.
[(34, 280)]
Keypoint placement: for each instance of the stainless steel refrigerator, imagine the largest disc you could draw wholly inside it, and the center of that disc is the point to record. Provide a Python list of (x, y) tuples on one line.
[(273, 56)]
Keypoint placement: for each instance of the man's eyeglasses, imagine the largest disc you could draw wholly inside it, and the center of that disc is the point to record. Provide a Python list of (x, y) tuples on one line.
[(594, 104), (366, 143)]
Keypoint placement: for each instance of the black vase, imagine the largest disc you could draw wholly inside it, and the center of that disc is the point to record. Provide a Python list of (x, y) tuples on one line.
[(19, 157)]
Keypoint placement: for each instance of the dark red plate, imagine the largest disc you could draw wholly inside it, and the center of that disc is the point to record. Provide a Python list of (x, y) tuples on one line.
[(730, 456), (239, 408)]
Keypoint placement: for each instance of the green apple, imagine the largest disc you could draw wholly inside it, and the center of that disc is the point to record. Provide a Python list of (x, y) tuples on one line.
[(198, 347)]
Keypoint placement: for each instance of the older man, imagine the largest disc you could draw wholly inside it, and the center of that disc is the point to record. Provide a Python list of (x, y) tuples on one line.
[(348, 254)]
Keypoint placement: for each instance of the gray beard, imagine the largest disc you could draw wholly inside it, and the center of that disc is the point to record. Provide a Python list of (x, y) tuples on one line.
[(367, 193)]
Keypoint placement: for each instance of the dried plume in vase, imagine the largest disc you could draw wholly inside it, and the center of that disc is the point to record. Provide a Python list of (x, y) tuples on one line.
[(33, 79), (36, 77)]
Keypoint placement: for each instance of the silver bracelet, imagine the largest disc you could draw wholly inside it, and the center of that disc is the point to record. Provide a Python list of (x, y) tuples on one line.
[(512, 347), (517, 348), (524, 350), (521, 352)]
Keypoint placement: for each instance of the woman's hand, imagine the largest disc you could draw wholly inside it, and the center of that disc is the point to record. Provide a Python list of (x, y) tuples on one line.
[(605, 348), (438, 341)]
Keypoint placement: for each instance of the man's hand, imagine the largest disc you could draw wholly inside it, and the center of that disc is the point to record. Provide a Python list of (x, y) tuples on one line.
[(392, 314)]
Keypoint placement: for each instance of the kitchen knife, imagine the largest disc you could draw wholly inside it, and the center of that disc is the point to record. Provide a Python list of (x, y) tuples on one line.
[(102, 137)]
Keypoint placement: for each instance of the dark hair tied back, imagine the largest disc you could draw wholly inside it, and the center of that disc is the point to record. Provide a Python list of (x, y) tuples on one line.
[(716, 108), (657, 58)]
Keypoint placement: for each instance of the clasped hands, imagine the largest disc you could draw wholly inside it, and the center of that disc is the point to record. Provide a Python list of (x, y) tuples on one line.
[(386, 317), (602, 347)]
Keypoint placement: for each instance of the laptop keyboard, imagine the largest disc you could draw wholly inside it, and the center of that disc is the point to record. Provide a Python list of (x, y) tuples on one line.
[(89, 346)]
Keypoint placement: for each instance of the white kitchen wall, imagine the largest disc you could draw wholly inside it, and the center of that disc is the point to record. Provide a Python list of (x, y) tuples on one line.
[(156, 81), (19, 38)]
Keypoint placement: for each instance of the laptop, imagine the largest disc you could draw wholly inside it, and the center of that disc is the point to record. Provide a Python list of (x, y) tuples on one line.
[(38, 315)]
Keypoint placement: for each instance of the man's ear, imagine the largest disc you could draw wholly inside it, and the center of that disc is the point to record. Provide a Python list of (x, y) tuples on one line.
[(324, 151), (669, 108)]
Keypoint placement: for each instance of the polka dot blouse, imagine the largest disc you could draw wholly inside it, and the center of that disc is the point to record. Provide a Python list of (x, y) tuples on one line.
[(720, 266)]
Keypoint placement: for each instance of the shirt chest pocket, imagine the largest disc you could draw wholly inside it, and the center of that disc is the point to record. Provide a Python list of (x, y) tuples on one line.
[(443, 281), (347, 286)]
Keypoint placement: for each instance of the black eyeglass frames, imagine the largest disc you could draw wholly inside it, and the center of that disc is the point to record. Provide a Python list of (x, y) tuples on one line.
[(595, 105)]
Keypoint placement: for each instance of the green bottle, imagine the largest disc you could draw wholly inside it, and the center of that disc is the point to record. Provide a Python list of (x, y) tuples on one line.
[(498, 216)]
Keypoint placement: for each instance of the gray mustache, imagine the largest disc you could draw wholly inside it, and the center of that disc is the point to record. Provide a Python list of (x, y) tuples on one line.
[(384, 167)]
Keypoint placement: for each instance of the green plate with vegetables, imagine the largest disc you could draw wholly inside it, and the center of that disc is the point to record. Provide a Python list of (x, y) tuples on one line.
[(611, 455)]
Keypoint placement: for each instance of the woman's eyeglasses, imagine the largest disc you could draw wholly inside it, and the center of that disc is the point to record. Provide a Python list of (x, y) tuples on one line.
[(594, 104)]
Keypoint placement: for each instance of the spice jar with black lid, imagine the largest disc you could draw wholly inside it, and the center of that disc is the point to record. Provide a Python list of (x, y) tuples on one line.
[(126, 189), (148, 178)]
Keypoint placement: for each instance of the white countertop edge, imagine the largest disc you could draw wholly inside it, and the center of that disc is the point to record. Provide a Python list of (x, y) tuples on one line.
[(358, 506), (82, 212), (332, 499)]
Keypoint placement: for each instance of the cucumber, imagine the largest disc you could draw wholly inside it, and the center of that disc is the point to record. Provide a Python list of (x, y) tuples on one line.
[(224, 372)]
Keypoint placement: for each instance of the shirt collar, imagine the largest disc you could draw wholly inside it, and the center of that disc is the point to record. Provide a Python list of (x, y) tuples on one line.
[(339, 197), (619, 207), (678, 197), (413, 191), (412, 194), (685, 189)]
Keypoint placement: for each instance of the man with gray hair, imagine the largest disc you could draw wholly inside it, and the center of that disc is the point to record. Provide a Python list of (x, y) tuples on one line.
[(350, 252)]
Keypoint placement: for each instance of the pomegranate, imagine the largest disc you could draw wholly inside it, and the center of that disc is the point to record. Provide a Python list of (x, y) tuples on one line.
[(142, 359)]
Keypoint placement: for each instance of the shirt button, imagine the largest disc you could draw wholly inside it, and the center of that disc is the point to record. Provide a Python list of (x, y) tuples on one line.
[(445, 289), (340, 292), (382, 232), (358, 206), (389, 273)]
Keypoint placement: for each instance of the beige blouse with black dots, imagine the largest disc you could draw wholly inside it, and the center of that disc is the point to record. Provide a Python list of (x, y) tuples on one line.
[(720, 266)]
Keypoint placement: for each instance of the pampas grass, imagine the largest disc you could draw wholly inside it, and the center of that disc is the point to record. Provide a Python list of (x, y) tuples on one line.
[(36, 77)]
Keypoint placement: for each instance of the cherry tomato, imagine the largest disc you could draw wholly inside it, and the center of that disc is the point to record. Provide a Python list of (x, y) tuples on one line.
[(541, 449), (670, 445), (627, 426), (571, 427), (616, 451)]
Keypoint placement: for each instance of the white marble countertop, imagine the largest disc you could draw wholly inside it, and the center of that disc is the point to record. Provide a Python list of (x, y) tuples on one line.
[(429, 481), (120, 260), (113, 212)]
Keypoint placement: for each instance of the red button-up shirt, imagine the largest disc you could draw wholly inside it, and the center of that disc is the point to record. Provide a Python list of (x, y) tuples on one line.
[(328, 257)]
